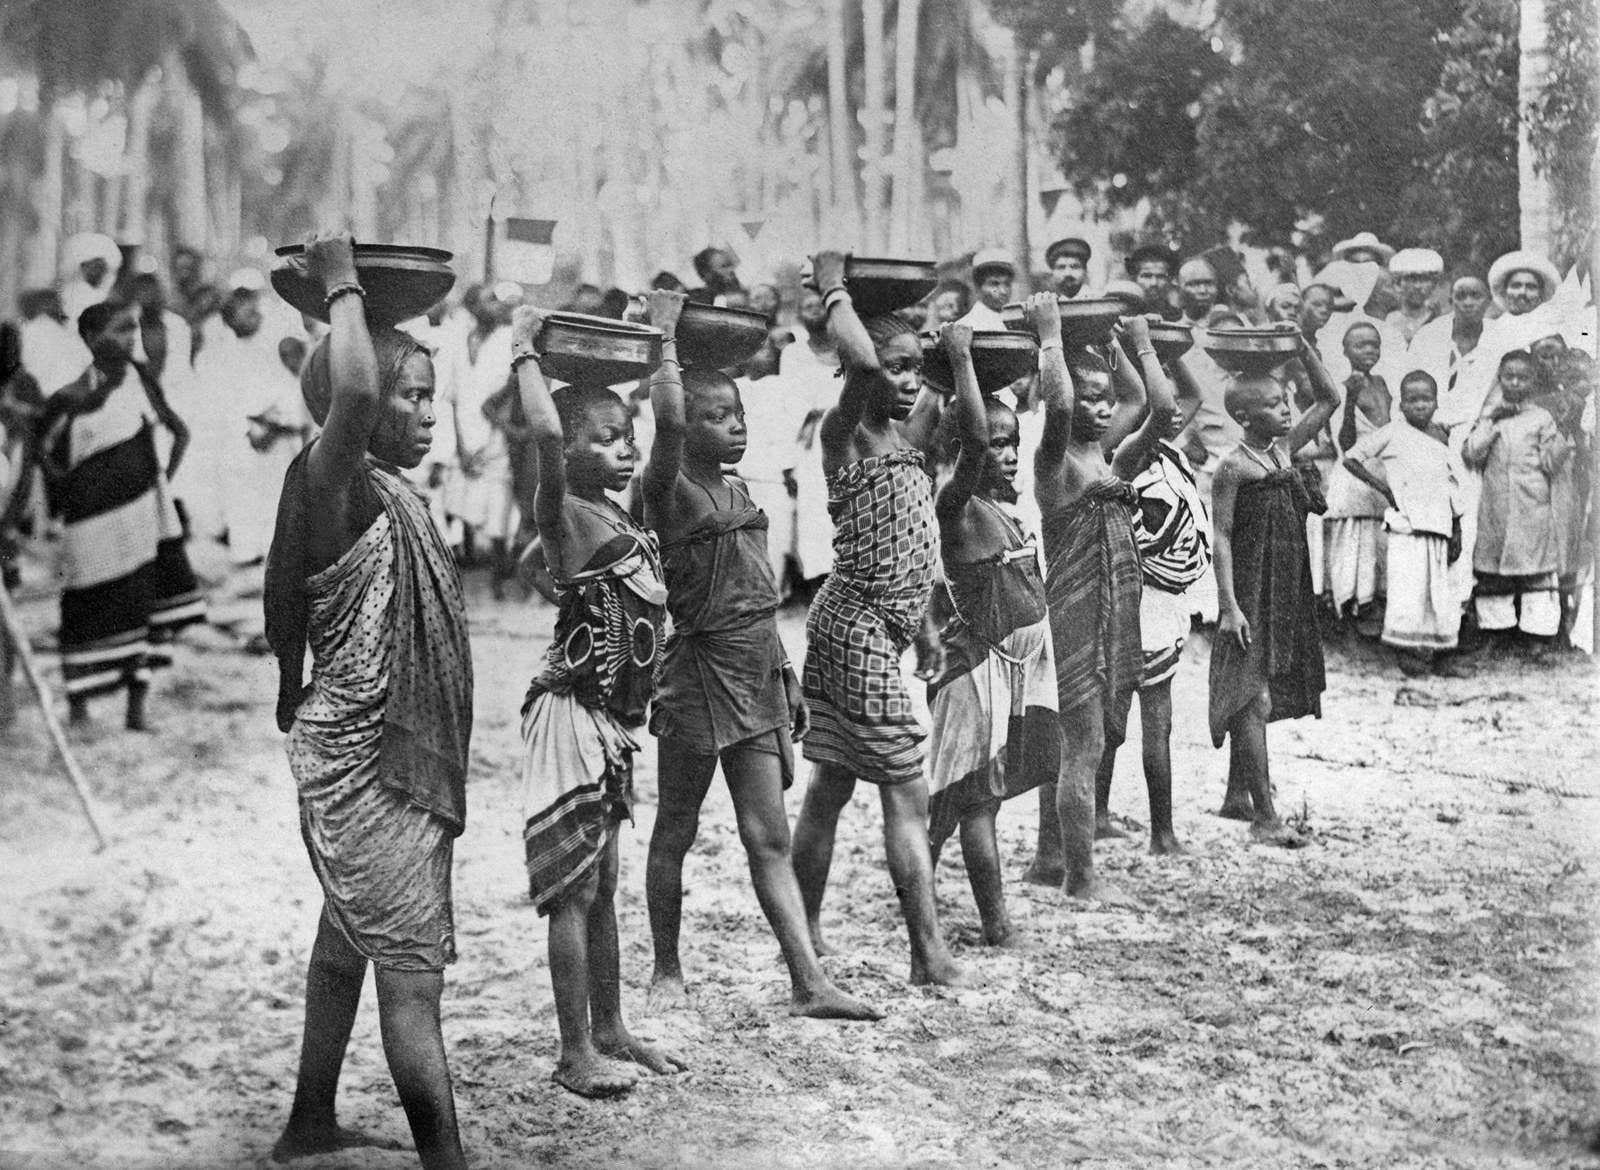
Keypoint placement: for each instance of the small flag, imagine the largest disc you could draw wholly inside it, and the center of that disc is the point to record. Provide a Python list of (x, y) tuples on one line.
[(523, 250), (752, 227), (1050, 198)]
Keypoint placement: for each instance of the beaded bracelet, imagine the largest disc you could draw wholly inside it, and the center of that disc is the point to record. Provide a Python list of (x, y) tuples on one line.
[(339, 290)]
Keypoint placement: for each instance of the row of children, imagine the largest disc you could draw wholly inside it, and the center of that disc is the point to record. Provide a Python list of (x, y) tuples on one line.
[(1043, 665)]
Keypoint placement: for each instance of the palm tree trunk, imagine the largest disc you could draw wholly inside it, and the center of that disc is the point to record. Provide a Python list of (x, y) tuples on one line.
[(136, 171), (1534, 196), (1017, 101), (190, 214), (877, 115), (841, 140), (907, 132), (48, 195)]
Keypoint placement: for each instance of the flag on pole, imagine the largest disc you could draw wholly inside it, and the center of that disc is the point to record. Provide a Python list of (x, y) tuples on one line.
[(522, 250)]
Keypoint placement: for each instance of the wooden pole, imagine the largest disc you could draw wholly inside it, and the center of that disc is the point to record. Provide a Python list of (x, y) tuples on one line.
[(30, 667)]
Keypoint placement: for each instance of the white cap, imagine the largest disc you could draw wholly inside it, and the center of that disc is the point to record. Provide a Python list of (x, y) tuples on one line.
[(247, 280), (993, 258), (86, 246), (1416, 262)]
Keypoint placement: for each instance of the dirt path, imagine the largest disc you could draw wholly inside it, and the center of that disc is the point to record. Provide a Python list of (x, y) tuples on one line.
[(1417, 988)]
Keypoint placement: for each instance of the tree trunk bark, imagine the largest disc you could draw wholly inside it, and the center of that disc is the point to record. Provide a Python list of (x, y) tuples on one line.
[(136, 169), (907, 131), (1017, 101), (1534, 197), (48, 195), (875, 173), (190, 214), (841, 140)]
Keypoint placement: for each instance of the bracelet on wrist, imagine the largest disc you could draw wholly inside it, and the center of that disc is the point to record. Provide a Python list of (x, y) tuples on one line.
[(340, 289), (518, 358), (1053, 343), (1147, 351)]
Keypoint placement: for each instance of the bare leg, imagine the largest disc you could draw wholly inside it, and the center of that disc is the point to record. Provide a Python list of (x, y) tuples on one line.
[(1248, 733), (609, 1035), (755, 781), (136, 718), (408, 1016), (981, 854), (1083, 745), (8, 699), (1048, 868), (580, 1069), (905, 839), (333, 993), (684, 779), (1237, 802), (826, 796), (1103, 828), (1155, 724)]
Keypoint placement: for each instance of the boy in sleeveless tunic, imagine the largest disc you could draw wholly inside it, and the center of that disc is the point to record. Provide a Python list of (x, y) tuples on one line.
[(865, 616), (725, 691), (378, 741), (1266, 663), (584, 709), (994, 719)]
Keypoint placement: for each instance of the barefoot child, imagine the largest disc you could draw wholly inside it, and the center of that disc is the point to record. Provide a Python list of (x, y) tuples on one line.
[(994, 706), (1173, 531), (1091, 574), (1266, 663), (1408, 463), (1520, 451), (861, 621), (726, 691), (583, 709), (359, 575), (1353, 523)]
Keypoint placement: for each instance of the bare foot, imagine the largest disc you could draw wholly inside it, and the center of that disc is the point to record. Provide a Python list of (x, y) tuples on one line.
[(1279, 834), (624, 1045), (591, 1075), (817, 944), (1095, 890), (296, 1143), (667, 992), (1040, 874), (999, 934), (1165, 844), (1104, 830), (1236, 812), (940, 970), (827, 1002)]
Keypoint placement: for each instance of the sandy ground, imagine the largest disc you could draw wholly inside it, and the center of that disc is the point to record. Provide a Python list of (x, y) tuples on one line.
[(1416, 988)]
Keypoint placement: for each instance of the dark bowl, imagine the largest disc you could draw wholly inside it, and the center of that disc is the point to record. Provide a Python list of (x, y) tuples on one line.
[(714, 338), (596, 351), (400, 281), (999, 358), (1251, 351), (1170, 339), (1085, 321), (878, 286)]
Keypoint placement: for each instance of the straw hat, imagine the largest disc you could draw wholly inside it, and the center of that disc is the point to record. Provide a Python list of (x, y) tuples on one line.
[(1363, 241), (1501, 271), (1416, 262)]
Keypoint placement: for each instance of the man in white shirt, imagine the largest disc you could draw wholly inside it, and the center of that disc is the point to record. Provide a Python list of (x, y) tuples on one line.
[(992, 275)]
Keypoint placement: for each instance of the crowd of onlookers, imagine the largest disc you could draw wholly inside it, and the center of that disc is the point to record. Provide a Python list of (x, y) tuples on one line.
[(227, 354)]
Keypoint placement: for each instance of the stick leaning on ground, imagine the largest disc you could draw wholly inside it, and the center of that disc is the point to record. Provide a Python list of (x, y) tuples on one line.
[(30, 667)]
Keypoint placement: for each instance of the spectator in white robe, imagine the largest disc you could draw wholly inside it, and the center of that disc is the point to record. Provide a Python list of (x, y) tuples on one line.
[(92, 262)]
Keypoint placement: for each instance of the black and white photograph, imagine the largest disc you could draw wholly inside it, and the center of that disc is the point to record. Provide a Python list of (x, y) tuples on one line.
[(799, 584)]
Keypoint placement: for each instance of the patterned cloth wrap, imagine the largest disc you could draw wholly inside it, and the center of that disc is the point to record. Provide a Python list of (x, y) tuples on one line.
[(721, 676), (1272, 584), (1173, 531), (995, 733), (885, 547), (1093, 583), (582, 709), (378, 741)]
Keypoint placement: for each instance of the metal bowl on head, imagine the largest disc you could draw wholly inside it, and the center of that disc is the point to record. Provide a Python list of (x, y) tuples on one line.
[(999, 358), (1251, 351), (1170, 339), (711, 337), (596, 351), (1085, 321), (400, 281), (878, 286)]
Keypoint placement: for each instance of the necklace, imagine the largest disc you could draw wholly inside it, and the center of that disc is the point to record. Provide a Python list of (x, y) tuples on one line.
[(1256, 455)]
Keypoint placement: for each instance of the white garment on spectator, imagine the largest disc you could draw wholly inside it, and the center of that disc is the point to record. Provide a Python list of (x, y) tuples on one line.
[(807, 379), (52, 352), (982, 317), (772, 419), (481, 497)]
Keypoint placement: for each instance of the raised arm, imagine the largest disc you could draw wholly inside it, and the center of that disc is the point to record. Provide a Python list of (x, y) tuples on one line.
[(857, 355), (544, 426), (1131, 398), (972, 423), (1134, 455), (1325, 400), (1055, 383), (341, 452), (666, 402)]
